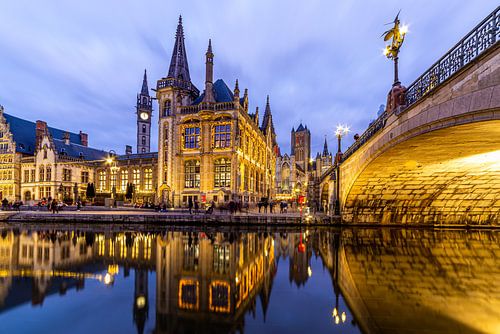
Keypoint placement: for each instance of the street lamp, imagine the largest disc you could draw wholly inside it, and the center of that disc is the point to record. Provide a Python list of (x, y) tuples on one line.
[(340, 132), (110, 160)]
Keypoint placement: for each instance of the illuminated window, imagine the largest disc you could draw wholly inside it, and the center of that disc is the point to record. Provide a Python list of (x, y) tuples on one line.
[(144, 128), (192, 174), (222, 173), (191, 137), (188, 294), (191, 256), (148, 179), (113, 178), (48, 174), (102, 180), (27, 176), (136, 178), (32, 175), (221, 259), (124, 180), (219, 297), (222, 136)]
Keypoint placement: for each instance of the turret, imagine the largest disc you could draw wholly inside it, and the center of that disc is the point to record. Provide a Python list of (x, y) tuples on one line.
[(209, 74)]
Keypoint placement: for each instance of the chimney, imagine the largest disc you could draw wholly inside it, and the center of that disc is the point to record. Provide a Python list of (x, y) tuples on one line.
[(66, 138), (128, 149), (40, 131), (84, 139)]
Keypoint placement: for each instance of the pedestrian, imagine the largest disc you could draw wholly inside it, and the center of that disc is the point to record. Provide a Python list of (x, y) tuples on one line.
[(271, 206), (54, 207), (190, 205), (78, 205), (196, 206)]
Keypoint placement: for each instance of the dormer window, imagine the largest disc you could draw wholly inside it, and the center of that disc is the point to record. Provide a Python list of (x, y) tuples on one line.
[(80, 155), (63, 151)]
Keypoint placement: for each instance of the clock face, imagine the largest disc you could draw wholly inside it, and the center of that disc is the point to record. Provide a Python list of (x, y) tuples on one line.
[(144, 115)]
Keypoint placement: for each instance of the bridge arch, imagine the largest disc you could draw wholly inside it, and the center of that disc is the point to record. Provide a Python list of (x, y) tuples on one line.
[(438, 161)]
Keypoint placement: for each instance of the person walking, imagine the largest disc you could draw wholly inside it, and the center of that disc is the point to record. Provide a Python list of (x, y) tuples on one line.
[(190, 205), (54, 206), (271, 206), (196, 206)]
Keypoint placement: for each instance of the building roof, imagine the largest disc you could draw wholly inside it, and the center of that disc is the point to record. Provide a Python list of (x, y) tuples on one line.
[(222, 93), (149, 155), (78, 151), (300, 128), (24, 134)]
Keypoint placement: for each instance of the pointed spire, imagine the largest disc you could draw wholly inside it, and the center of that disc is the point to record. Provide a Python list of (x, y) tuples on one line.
[(179, 68), (145, 89), (209, 74), (245, 100), (236, 90), (268, 118), (325, 148), (257, 115), (209, 50)]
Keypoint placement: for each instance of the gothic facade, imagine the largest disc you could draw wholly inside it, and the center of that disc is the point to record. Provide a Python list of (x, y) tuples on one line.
[(209, 146)]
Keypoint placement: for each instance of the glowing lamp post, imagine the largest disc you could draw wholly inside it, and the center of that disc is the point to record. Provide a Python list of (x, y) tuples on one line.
[(340, 132), (391, 51)]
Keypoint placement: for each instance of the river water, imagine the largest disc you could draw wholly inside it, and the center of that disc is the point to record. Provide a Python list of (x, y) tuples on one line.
[(191, 280)]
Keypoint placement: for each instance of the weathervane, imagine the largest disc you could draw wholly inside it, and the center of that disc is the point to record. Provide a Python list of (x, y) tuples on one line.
[(391, 51)]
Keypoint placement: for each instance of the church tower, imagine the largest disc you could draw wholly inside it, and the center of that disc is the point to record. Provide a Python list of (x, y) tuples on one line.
[(172, 92), (301, 146), (144, 111)]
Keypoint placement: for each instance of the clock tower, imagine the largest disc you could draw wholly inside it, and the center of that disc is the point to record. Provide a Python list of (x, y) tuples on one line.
[(144, 112)]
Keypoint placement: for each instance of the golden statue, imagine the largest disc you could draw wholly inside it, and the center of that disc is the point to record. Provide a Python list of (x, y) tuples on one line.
[(391, 51)]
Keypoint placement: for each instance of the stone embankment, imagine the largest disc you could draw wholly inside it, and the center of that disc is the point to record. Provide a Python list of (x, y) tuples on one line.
[(161, 218)]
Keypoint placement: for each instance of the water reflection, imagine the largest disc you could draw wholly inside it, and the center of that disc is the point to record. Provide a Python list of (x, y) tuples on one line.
[(200, 281)]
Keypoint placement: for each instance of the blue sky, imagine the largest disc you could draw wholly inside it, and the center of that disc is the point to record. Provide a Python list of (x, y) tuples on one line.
[(78, 64)]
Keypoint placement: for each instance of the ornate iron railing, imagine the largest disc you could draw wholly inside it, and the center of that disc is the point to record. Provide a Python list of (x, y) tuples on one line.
[(374, 127), (482, 37)]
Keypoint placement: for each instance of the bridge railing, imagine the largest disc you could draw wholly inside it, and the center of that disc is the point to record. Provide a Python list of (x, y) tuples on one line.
[(373, 128), (481, 38), (485, 35)]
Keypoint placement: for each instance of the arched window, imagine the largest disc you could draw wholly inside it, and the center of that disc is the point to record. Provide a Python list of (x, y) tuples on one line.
[(192, 174), (285, 177), (167, 108), (144, 128), (222, 173), (143, 140), (144, 100)]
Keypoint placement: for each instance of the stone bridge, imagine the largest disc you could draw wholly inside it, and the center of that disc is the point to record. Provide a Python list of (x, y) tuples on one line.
[(438, 159)]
